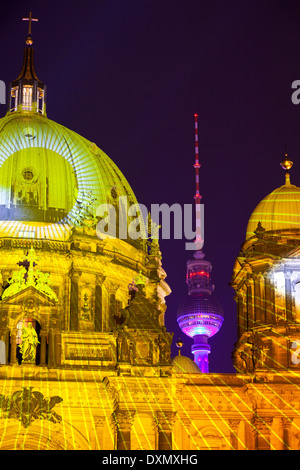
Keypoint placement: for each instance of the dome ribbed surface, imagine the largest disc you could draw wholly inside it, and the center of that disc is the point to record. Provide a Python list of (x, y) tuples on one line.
[(52, 175), (280, 210), (185, 365)]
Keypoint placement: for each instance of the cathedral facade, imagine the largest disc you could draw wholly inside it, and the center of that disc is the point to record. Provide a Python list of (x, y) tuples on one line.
[(85, 358)]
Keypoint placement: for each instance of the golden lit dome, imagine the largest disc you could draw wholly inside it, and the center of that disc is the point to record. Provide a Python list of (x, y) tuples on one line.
[(280, 210)]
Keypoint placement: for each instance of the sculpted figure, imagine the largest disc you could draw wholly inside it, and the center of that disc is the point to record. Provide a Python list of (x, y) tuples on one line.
[(29, 343)]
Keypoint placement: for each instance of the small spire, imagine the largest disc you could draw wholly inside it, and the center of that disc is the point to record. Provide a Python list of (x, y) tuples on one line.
[(27, 92), (286, 164)]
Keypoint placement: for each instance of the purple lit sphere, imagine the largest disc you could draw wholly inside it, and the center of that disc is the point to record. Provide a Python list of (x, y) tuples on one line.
[(200, 314)]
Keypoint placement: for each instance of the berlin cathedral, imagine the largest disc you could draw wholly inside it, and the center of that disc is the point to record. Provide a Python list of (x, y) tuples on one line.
[(85, 357)]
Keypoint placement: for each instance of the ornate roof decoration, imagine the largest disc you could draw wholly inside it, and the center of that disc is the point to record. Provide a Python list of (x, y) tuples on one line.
[(27, 276)]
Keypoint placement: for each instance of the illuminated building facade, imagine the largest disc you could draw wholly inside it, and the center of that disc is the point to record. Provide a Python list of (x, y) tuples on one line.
[(102, 375)]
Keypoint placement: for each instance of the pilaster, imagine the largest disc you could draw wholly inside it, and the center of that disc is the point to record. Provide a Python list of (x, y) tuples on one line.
[(262, 432), (258, 300), (269, 299), (43, 335), (74, 300), (165, 421), (99, 303), (249, 303), (234, 428), (286, 426), (97, 440), (288, 296), (123, 420)]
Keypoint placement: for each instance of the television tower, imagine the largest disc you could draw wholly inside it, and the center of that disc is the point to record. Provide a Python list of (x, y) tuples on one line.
[(200, 315)]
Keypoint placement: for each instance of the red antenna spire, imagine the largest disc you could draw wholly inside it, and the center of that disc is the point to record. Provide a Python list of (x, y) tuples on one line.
[(199, 241)]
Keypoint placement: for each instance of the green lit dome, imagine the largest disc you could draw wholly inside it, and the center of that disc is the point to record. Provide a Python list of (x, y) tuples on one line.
[(279, 211), (50, 176)]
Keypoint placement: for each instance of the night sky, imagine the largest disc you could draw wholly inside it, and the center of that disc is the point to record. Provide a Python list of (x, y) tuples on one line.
[(130, 74)]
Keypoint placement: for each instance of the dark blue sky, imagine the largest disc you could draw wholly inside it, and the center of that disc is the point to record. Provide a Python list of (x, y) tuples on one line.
[(130, 74)]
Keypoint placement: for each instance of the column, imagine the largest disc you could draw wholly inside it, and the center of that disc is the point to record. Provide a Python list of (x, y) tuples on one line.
[(165, 422), (250, 305), (112, 302), (262, 432), (98, 308), (58, 348), (51, 348), (234, 428), (3, 346), (243, 305), (43, 335), (98, 318), (241, 323), (13, 347), (258, 311), (269, 299), (286, 425), (74, 300), (112, 310), (123, 421), (288, 296)]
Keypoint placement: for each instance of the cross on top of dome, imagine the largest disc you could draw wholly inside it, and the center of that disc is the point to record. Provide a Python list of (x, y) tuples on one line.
[(29, 19)]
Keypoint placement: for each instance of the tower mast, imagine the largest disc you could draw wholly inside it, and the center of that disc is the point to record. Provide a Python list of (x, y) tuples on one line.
[(198, 241)]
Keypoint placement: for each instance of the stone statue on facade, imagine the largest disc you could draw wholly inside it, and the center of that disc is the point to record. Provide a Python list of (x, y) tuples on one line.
[(42, 284), (132, 290), (153, 240), (29, 343), (164, 343)]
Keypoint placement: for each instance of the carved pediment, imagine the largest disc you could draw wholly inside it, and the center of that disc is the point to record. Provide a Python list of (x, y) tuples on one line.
[(29, 292), (29, 276)]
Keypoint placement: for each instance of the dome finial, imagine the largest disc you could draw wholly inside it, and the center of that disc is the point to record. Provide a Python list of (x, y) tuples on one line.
[(179, 345), (29, 19), (286, 164)]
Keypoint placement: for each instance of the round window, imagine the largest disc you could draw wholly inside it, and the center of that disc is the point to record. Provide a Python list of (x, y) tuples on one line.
[(27, 175)]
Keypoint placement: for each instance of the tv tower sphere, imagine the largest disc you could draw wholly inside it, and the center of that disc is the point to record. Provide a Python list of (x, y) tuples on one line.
[(200, 315)]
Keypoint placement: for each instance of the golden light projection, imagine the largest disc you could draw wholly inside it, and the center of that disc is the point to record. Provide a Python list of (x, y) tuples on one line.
[(85, 357), (105, 353)]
